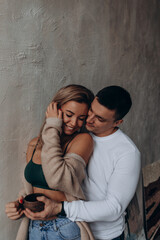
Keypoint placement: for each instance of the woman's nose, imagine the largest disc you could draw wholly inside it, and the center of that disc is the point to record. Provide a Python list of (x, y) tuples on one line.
[(74, 122)]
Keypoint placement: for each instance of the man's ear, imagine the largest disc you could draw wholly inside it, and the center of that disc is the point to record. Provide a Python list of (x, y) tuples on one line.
[(118, 122)]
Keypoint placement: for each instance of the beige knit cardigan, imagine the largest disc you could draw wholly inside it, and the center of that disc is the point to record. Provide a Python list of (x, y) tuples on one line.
[(64, 173)]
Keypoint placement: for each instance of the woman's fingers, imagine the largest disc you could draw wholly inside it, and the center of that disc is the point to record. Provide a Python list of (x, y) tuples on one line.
[(52, 111), (13, 211), (60, 114), (12, 205), (21, 199), (49, 108), (15, 215)]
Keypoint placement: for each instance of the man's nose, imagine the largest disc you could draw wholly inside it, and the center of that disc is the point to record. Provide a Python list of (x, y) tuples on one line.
[(90, 118)]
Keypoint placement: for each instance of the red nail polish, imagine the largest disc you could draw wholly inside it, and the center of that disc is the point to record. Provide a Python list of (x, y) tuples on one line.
[(60, 109)]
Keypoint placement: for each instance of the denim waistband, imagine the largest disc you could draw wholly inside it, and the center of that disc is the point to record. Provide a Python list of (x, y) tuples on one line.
[(56, 223)]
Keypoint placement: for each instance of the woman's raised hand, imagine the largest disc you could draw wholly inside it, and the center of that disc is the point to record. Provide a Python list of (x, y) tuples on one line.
[(13, 209), (53, 111)]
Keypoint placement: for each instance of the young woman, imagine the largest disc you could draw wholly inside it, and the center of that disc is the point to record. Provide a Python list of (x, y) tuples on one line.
[(56, 163)]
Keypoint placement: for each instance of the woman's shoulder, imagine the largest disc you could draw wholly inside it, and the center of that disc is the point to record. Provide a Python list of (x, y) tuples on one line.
[(82, 145), (33, 142), (31, 146), (83, 137)]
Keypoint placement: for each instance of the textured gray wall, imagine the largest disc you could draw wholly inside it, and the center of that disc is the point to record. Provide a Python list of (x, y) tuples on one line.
[(45, 45)]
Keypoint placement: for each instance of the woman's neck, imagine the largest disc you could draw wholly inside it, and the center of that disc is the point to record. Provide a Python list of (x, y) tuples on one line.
[(66, 138)]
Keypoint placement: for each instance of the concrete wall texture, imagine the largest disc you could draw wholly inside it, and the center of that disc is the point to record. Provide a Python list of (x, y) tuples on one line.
[(45, 45)]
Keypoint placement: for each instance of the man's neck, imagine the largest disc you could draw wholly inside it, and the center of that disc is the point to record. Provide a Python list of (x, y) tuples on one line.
[(107, 133)]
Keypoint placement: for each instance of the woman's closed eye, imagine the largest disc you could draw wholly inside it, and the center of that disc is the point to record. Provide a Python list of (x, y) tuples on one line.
[(69, 115), (82, 119)]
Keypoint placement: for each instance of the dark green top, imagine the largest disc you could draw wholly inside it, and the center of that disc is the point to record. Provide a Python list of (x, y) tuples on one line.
[(34, 173)]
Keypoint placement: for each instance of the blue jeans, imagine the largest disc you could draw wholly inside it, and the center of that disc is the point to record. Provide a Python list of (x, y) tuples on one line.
[(58, 229)]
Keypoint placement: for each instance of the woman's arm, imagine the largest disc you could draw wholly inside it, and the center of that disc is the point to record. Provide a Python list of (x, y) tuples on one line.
[(82, 144), (12, 209), (64, 173)]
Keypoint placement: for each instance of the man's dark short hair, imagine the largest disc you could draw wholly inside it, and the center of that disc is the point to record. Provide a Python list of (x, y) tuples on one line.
[(115, 98)]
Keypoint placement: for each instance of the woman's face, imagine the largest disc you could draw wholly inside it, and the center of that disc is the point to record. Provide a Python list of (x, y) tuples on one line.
[(74, 114)]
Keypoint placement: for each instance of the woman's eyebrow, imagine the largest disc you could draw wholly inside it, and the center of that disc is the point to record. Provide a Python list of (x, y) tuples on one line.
[(69, 111), (74, 113)]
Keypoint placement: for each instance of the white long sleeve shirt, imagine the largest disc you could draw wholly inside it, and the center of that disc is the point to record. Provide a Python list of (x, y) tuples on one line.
[(109, 186)]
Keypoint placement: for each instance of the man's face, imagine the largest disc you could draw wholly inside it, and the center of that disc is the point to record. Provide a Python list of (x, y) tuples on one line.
[(101, 120)]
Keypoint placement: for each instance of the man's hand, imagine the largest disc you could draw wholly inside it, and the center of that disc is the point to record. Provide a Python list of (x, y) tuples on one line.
[(51, 209)]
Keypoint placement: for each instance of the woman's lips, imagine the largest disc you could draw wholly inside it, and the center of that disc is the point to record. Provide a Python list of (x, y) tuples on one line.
[(71, 128)]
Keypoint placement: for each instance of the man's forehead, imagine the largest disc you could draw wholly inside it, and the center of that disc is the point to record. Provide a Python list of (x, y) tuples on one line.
[(101, 110)]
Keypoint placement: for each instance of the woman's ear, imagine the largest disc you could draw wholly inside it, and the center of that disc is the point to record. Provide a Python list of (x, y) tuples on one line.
[(59, 107)]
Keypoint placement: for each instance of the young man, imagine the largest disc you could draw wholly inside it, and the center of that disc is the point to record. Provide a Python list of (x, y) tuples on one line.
[(112, 173)]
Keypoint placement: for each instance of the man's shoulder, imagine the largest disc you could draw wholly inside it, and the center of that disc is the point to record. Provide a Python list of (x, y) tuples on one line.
[(125, 143)]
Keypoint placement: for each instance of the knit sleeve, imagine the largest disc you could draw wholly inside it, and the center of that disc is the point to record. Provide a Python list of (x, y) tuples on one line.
[(64, 173), (27, 188)]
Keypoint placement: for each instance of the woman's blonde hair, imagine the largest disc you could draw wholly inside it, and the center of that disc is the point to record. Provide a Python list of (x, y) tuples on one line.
[(72, 92)]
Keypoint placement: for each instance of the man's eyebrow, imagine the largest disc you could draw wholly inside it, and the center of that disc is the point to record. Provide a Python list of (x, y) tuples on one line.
[(101, 117)]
